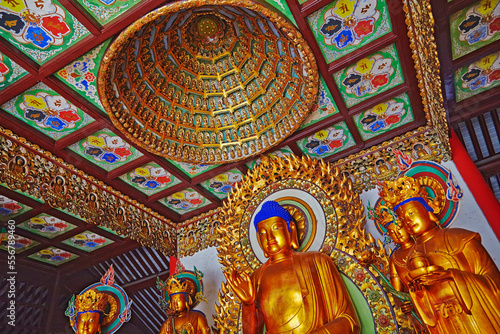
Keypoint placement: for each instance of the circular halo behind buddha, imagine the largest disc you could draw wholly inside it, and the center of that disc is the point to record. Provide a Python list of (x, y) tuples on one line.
[(208, 83)]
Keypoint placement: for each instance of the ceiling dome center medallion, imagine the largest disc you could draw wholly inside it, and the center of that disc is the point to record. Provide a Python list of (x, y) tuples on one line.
[(208, 83)]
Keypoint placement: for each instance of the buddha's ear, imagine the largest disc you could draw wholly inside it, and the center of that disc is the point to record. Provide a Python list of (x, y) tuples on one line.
[(294, 240), (435, 219)]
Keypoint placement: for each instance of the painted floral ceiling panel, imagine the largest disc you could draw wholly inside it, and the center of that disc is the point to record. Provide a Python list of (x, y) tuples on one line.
[(9, 208), (370, 76), (323, 108), (282, 6), (105, 11), (47, 111), (478, 77), (150, 178), (10, 71), (81, 75), (346, 25), (185, 201), (88, 241), (281, 152), (191, 169), (327, 141), (222, 184), (474, 27), (106, 150), (384, 117), (19, 243), (41, 29), (47, 226), (53, 256)]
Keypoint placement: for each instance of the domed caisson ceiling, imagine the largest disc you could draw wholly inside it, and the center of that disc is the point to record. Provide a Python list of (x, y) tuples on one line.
[(202, 83)]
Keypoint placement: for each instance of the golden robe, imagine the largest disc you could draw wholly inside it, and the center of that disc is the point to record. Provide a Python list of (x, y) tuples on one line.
[(194, 322), (469, 302), (319, 302)]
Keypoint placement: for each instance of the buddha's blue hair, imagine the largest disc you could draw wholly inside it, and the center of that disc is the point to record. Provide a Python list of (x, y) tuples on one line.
[(272, 209)]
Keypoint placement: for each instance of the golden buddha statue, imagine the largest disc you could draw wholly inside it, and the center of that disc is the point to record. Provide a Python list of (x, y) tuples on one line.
[(90, 308), (292, 292), (180, 294), (453, 282)]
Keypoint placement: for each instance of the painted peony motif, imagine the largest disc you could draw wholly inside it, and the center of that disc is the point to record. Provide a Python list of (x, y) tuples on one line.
[(19, 241), (47, 224), (8, 206), (368, 75), (50, 111), (482, 73), (37, 22), (106, 148), (383, 116), (481, 22), (223, 183), (4, 69), (54, 254), (88, 240), (151, 177), (349, 22), (325, 141), (185, 200)]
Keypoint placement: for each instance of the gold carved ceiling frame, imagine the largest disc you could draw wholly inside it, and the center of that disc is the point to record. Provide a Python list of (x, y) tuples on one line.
[(154, 230)]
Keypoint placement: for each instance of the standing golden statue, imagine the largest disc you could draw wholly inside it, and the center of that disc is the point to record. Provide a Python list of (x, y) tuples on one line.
[(292, 292), (453, 282), (181, 292)]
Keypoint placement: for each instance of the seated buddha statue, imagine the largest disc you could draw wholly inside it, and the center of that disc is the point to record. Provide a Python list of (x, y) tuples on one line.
[(291, 292), (453, 282), (182, 319)]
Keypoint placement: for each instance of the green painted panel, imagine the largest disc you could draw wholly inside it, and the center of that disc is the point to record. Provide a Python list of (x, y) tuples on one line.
[(150, 179), (10, 71), (46, 226), (474, 27), (192, 170), (384, 117), (88, 241), (323, 108), (106, 150), (9, 208), (282, 6), (370, 76), (41, 29), (478, 77), (47, 111), (222, 184), (185, 201), (327, 141), (105, 11), (347, 25), (284, 151), (53, 256), (18, 243), (81, 75)]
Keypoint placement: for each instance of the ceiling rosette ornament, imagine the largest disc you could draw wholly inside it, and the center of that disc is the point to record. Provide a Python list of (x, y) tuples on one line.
[(208, 82)]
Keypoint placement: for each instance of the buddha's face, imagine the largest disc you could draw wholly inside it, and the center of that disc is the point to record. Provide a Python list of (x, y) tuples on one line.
[(88, 323), (416, 218), (178, 303), (398, 234), (274, 237)]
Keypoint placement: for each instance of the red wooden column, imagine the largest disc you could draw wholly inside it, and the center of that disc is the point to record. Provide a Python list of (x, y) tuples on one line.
[(479, 188)]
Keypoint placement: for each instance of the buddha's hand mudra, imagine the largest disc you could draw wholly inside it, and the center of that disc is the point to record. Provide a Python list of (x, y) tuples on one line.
[(242, 285), (434, 277)]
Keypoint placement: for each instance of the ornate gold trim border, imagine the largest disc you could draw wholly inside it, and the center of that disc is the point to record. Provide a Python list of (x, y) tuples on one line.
[(28, 168)]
